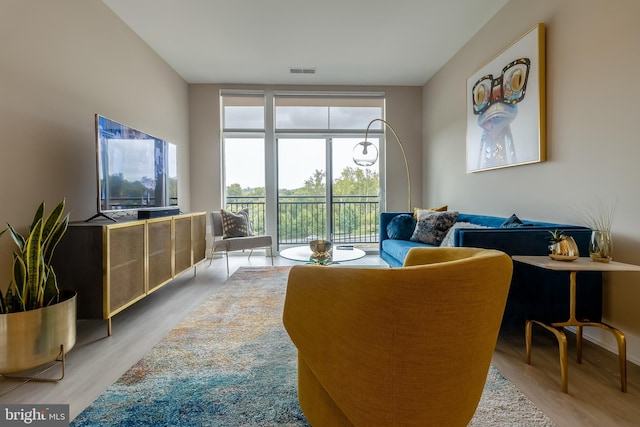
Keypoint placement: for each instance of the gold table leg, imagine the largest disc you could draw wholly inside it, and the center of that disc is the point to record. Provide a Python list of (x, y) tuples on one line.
[(579, 343), (562, 347), (558, 330), (622, 347)]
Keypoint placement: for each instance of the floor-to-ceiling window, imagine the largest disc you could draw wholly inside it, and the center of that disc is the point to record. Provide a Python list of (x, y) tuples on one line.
[(243, 154), (288, 157)]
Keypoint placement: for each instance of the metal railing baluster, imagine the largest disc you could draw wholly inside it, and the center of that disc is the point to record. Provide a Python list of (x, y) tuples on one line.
[(355, 218)]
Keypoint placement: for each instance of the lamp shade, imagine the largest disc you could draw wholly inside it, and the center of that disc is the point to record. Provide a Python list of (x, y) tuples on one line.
[(365, 153)]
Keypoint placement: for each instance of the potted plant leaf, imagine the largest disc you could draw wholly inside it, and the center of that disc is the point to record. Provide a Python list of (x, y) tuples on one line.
[(37, 320)]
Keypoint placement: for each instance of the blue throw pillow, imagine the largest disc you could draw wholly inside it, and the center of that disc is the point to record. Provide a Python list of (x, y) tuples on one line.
[(512, 222), (401, 227)]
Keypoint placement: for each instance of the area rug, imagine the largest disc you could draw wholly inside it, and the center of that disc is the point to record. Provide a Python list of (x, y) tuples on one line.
[(231, 363)]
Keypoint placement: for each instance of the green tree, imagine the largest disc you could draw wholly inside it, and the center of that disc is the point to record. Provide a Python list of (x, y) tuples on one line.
[(356, 182), (302, 216), (348, 218), (254, 192), (315, 185), (234, 190)]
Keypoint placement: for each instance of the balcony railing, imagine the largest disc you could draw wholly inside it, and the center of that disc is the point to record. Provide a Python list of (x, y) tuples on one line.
[(303, 218)]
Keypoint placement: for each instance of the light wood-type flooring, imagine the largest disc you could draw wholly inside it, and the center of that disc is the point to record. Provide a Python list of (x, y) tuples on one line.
[(97, 361)]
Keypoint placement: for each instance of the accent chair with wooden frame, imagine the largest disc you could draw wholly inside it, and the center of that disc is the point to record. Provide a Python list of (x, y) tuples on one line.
[(231, 244)]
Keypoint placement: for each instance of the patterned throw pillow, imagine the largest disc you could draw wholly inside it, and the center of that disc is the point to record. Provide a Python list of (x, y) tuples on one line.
[(236, 224), (432, 227), (418, 211)]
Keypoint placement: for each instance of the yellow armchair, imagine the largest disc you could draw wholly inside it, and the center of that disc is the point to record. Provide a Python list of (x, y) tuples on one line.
[(402, 346)]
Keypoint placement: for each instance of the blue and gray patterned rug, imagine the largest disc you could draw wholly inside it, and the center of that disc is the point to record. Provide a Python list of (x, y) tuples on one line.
[(231, 363)]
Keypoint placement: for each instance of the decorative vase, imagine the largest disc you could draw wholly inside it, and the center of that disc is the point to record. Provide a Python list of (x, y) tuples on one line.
[(321, 249), (564, 250), (600, 246)]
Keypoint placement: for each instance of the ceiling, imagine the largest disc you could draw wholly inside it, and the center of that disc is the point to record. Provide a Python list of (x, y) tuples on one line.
[(346, 42)]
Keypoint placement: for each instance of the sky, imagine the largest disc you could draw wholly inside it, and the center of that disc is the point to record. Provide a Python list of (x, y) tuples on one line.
[(297, 158)]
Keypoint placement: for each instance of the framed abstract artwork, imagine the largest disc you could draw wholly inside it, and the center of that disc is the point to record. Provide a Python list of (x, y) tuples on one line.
[(506, 114)]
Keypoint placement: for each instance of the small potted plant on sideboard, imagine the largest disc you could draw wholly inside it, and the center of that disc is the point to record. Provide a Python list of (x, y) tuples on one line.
[(37, 320)]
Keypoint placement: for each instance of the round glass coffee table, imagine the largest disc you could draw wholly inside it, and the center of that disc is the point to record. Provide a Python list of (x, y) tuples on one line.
[(339, 253)]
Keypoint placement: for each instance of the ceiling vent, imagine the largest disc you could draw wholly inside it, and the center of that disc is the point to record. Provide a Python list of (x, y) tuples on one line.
[(302, 70)]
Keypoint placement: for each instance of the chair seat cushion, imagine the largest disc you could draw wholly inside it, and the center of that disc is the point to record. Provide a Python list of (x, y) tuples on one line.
[(398, 248), (242, 243)]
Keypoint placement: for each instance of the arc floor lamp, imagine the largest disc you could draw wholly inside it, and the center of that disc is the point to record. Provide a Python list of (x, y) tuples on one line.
[(365, 153)]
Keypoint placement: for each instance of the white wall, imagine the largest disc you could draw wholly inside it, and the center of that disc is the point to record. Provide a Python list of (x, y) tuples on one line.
[(593, 143), (61, 62)]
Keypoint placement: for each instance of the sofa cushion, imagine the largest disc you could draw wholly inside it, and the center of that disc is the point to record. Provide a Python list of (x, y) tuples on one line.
[(398, 249), (401, 227), (236, 224), (431, 227), (496, 221), (489, 221), (449, 237)]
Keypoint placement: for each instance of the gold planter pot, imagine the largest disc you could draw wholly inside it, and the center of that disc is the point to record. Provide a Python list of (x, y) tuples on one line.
[(33, 338), (564, 250)]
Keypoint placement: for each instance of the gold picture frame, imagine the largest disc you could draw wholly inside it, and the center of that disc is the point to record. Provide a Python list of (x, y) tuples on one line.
[(506, 107)]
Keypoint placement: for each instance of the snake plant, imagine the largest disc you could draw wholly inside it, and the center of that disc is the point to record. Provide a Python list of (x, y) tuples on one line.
[(33, 282)]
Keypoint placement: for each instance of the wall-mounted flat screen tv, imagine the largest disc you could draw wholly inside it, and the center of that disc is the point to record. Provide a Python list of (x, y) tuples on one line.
[(135, 170)]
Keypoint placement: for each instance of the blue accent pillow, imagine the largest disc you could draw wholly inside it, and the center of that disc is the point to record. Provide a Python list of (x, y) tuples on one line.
[(401, 227), (512, 222)]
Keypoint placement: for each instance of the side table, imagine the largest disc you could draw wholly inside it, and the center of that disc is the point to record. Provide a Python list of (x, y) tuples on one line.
[(573, 267)]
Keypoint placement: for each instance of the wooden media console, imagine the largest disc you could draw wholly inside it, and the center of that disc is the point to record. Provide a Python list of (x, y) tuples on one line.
[(113, 265)]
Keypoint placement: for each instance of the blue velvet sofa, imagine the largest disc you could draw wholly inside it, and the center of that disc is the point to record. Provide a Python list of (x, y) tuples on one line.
[(535, 293)]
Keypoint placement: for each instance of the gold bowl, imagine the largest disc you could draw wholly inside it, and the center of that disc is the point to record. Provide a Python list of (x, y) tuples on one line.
[(320, 248), (564, 250)]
